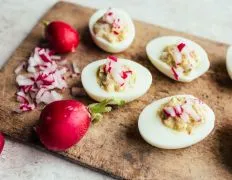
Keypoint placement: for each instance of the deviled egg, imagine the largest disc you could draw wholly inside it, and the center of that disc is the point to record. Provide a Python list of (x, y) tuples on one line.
[(178, 58), (229, 61), (115, 78), (112, 29), (176, 122)]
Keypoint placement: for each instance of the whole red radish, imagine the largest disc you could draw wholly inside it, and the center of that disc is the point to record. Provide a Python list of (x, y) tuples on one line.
[(62, 37), (2, 142), (63, 123)]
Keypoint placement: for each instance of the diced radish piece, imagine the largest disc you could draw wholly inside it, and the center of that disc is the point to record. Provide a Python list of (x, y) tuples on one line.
[(109, 16), (178, 110), (25, 107), (189, 109), (21, 97), (20, 68), (45, 57), (177, 56), (125, 74), (76, 69), (180, 46), (31, 69), (24, 81), (169, 111), (55, 57), (49, 97), (116, 33), (185, 117), (115, 59), (175, 74)]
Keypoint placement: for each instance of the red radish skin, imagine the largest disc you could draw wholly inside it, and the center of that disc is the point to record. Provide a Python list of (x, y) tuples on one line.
[(62, 37), (63, 124), (175, 74), (2, 142), (180, 46)]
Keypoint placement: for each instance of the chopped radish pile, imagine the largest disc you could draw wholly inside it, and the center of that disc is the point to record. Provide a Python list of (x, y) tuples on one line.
[(184, 111), (43, 76), (117, 70), (111, 17)]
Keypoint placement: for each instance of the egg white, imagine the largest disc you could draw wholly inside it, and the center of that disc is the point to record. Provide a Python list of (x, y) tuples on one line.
[(229, 61), (157, 134), (104, 44), (93, 89), (155, 47)]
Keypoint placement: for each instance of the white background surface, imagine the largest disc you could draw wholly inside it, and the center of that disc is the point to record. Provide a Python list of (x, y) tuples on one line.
[(206, 18)]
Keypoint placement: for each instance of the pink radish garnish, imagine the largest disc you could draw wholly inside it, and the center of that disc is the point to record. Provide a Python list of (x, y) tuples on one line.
[(185, 117), (180, 46), (178, 110), (63, 123), (191, 112), (175, 74), (76, 69), (20, 68), (114, 67), (115, 59), (184, 111), (169, 111), (111, 18)]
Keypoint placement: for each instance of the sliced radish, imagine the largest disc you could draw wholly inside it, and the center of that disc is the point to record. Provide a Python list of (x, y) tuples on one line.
[(20, 68), (109, 16), (24, 81), (175, 74), (177, 56), (49, 97), (55, 57), (181, 46), (169, 111), (113, 58), (76, 69), (178, 110), (189, 110), (117, 71), (185, 117)]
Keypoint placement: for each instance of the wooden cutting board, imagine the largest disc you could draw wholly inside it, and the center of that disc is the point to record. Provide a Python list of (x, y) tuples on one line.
[(114, 145)]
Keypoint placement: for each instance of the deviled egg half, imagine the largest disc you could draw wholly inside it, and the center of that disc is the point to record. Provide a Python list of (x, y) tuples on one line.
[(178, 58), (176, 122), (115, 78), (112, 29), (229, 61)]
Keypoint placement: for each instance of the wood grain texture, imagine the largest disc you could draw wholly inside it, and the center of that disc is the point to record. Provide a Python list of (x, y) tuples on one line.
[(114, 145)]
